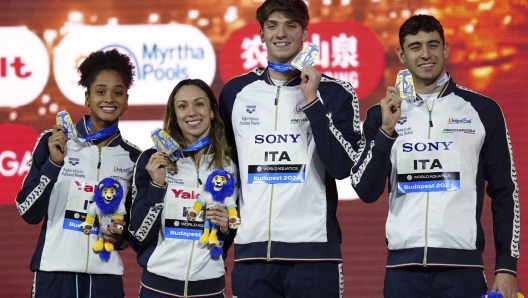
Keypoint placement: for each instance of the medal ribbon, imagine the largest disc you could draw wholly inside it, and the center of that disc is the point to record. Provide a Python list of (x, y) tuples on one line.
[(279, 67), (442, 80), (196, 146), (106, 132)]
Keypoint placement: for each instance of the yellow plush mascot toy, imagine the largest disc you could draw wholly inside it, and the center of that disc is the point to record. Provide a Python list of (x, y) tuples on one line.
[(107, 206), (219, 190)]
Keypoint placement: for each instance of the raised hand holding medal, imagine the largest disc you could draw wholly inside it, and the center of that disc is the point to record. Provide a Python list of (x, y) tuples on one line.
[(64, 119), (167, 147), (164, 143), (304, 61), (59, 136), (391, 104)]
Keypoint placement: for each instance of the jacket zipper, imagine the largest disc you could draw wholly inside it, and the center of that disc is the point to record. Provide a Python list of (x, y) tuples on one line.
[(198, 183), (99, 164), (430, 124), (427, 204), (268, 257), (88, 241), (277, 105), (188, 270), (425, 232)]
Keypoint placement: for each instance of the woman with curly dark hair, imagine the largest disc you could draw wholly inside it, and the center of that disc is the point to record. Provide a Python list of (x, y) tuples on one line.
[(67, 163)]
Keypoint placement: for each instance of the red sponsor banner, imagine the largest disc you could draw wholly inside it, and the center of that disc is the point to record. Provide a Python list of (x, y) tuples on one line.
[(16, 145), (349, 51)]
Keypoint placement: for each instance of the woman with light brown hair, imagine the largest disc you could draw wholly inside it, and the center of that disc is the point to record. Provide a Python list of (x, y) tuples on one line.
[(175, 262)]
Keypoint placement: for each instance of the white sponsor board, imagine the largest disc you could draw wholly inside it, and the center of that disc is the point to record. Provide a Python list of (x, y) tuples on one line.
[(137, 132), (24, 66), (162, 54)]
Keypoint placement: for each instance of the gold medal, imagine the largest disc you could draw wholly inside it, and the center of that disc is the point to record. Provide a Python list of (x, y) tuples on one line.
[(163, 142), (64, 119), (308, 55), (405, 84)]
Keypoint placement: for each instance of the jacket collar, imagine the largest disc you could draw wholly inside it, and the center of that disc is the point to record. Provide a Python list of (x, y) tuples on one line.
[(295, 81), (451, 87)]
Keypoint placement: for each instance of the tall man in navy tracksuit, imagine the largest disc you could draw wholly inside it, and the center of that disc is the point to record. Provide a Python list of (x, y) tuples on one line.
[(294, 132)]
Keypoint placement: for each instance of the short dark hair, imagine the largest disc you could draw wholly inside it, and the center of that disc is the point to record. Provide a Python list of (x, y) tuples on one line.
[(296, 10), (109, 60), (419, 23), (219, 145)]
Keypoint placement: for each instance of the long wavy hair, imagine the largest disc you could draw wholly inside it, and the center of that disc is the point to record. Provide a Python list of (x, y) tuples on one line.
[(219, 147)]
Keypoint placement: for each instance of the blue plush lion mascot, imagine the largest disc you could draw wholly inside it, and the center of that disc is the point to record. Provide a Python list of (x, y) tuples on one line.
[(107, 206), (219, 190)]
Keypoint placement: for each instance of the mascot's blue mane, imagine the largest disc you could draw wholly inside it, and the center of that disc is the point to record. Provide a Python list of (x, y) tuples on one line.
[(114, 204), (226, 191)]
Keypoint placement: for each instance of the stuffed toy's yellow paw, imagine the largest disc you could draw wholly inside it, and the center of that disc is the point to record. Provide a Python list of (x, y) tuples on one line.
[(109, 246), (204, 239), (98, 246), (214, 240)]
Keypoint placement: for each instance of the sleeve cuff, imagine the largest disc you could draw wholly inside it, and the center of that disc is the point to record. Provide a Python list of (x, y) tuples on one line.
[(506, 264), (228, 230), (384, 142), (506, 271), (315, 110), (311, 103), (393, 136), (51, 170), (156, 194), (164, 186), (55, 164)]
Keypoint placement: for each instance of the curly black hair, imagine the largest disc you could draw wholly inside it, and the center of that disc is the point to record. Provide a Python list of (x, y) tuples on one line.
[(109, 60)]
